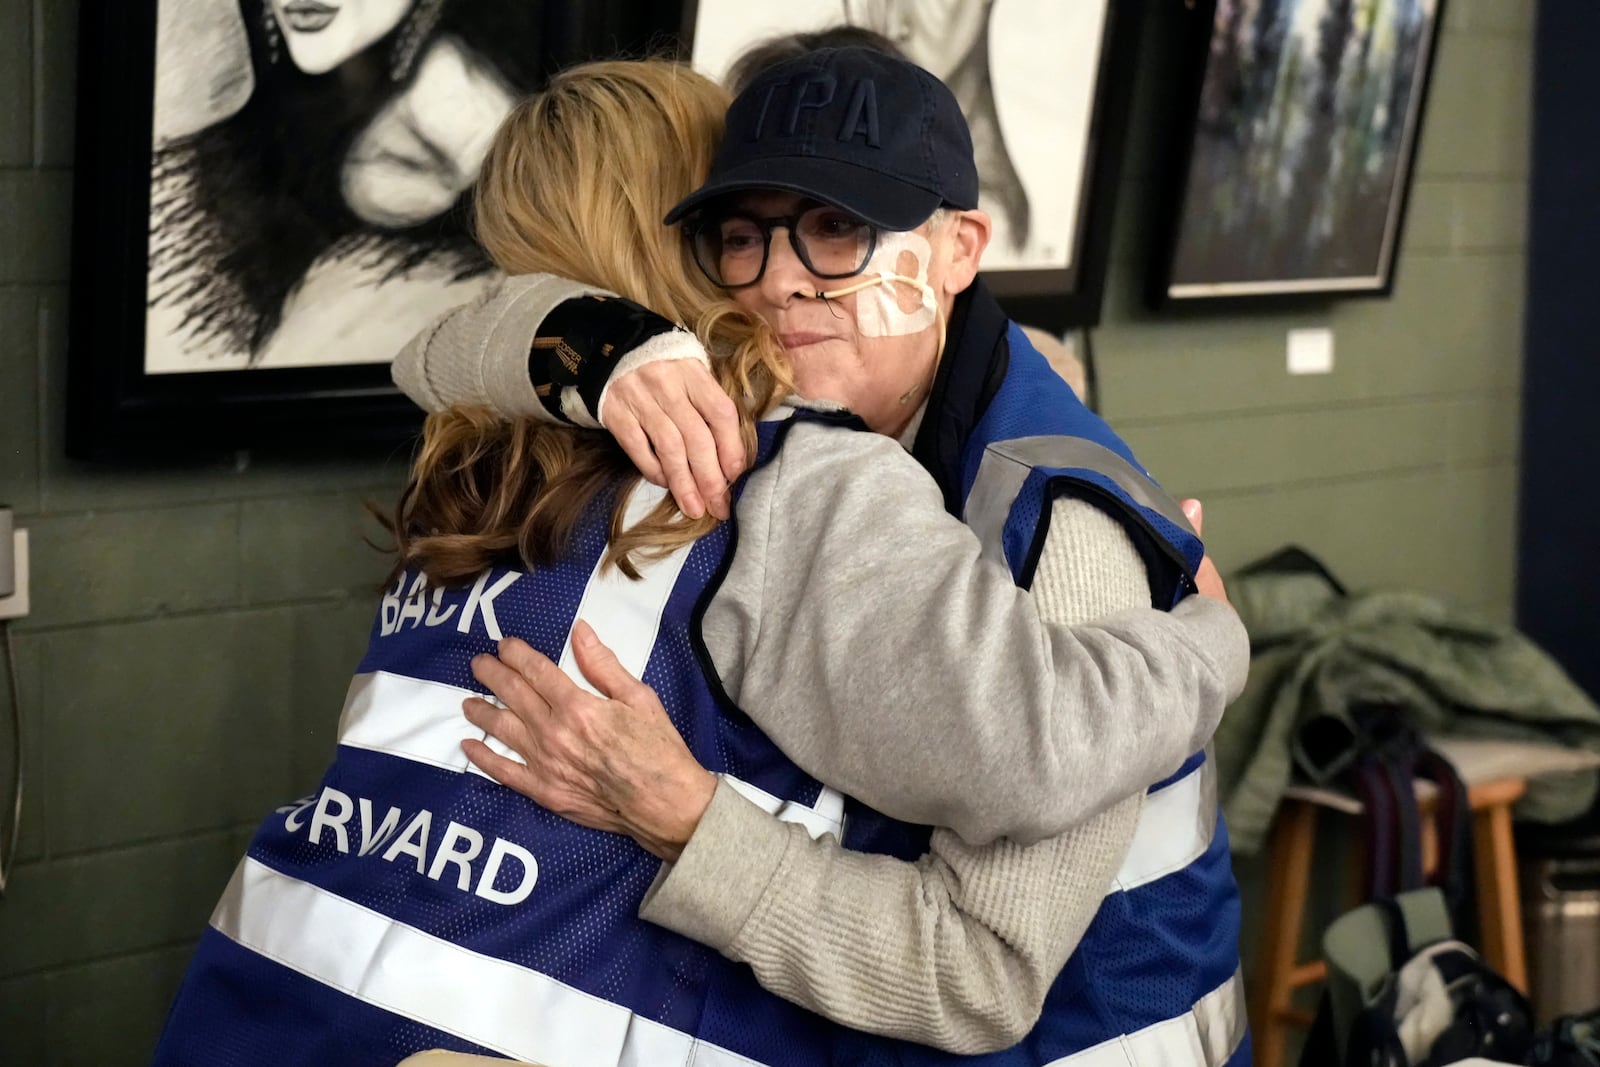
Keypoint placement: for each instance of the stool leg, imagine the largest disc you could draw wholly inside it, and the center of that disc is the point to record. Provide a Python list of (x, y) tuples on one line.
[(1499, 900), (1272, 993)]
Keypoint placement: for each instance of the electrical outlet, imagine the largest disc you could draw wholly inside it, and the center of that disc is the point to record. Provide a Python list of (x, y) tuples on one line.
[(15, 606), (1311, 351)]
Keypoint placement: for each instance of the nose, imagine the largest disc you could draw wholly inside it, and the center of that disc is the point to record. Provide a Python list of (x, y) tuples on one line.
[(785, 277)]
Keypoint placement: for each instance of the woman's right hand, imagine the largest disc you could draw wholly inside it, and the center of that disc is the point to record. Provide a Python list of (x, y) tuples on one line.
[(680, 429), (613, 762)]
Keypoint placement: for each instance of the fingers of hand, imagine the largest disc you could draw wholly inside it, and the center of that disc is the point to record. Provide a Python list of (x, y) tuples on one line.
[(625, 428), (719, 412), (504, 726), (553, 690), (567, 797), (557, 726), (1194, 512), (557, 770), (700, 448), (605, 672), (508, 772), (509, 684), (669, 448)]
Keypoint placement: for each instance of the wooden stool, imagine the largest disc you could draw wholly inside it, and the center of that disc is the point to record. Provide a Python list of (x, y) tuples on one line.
[(1277, 973)]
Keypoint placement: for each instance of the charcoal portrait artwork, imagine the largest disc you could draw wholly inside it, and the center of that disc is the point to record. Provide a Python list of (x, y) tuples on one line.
[(1308, 119), (311, 162), (1024, 71)]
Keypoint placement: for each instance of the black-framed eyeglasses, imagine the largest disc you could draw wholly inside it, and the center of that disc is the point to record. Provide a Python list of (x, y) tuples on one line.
[(731, 247)]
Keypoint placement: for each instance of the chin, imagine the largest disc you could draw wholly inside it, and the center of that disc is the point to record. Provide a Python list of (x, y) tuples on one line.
[(314, 60)]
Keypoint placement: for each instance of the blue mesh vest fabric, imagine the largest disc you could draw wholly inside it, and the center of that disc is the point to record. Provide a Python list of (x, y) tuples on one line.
[(1035, 402), (1153, 951), (378, 922)]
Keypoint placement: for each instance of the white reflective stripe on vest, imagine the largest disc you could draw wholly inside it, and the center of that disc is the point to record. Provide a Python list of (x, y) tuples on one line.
[(1204, 1036), (1005, 468), (513, 1010), (1000, 478), (626, 614), (423, 721), (827, 817), (412, 719), (1176, 826)]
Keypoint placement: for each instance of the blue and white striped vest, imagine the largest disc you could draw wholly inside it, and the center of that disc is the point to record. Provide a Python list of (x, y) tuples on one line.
[(412, 903), (1155, 980)]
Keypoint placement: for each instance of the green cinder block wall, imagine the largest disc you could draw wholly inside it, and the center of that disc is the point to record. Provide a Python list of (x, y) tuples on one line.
[(193, 628)]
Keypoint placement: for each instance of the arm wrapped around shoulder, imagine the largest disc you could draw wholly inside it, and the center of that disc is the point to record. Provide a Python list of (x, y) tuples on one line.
[(537, 346), (867, 635)]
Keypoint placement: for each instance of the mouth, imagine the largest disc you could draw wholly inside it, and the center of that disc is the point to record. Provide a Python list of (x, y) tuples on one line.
[(801, 339), (309, 16)]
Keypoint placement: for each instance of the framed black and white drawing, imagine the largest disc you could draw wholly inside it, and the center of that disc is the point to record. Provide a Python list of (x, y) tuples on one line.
[(1044, 85), (1305, 131), (271, 200)]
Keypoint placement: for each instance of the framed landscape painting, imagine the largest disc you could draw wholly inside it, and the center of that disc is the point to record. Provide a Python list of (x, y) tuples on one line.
[(1305, 131)]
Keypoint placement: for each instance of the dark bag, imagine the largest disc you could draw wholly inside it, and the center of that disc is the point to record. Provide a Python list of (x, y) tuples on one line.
[(1402, 992)]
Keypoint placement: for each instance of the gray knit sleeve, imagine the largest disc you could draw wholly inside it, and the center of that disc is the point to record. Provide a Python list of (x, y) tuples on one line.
[(477, 354), (862, 631), (957, 950)]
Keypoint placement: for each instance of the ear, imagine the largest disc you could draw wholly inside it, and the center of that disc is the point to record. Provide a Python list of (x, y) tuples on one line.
[(967, 233)]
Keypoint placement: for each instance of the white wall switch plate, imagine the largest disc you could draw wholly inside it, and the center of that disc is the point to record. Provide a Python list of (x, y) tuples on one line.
[(15, 606), (1311, 351)]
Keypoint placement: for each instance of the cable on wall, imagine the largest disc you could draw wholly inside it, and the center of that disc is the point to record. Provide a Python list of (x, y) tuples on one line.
[(8, 845)]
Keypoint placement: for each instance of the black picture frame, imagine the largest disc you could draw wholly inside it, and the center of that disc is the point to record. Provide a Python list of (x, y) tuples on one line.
[(1060, 300), (1363, 260), (116, 410), (1037, 297)]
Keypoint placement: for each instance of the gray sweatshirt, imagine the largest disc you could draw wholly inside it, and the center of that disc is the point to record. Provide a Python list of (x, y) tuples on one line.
[(860, 629)]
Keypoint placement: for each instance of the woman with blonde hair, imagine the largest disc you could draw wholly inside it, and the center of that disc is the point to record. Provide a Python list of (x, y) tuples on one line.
[(412, 903)]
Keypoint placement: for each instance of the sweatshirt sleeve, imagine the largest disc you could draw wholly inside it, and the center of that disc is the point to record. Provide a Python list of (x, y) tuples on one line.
[(957, 950), (477, 354), (859, 627)]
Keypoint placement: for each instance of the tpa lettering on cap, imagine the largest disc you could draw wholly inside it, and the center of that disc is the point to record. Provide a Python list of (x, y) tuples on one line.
[(807, 96), (873, 134)]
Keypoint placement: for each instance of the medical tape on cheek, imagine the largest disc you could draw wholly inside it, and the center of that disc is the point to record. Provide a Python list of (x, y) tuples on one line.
[(878, 309)]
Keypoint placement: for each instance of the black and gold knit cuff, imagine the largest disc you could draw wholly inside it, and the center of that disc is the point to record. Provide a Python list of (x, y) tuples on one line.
[(580, 343)]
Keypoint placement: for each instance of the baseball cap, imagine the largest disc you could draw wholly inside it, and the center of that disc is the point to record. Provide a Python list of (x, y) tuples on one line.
[(870, 133)]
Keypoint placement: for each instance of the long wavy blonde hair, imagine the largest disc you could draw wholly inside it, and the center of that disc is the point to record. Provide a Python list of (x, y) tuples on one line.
[(576, 184)]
